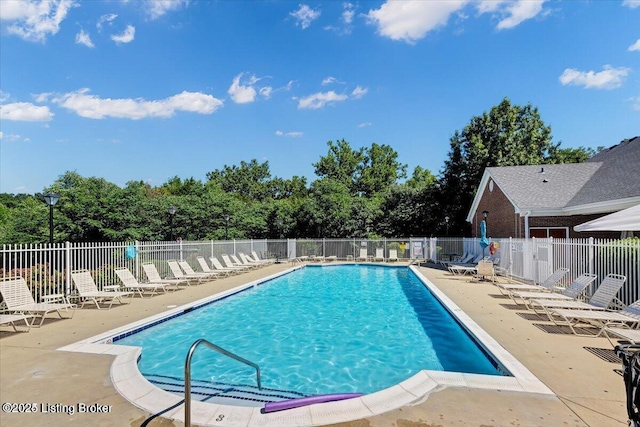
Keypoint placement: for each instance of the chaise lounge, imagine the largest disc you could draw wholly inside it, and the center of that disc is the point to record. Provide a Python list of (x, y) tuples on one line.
[(18, 299)]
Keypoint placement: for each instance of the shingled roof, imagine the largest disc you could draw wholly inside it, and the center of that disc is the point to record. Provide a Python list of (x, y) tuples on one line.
[(607, 182)]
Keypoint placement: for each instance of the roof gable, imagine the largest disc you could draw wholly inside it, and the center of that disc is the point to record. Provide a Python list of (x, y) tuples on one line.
[(607, 182)]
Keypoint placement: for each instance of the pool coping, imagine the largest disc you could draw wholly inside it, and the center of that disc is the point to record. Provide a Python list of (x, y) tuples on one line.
[(130, 383)]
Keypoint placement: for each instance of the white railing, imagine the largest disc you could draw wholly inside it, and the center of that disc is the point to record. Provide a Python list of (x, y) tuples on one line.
[(47, 268)]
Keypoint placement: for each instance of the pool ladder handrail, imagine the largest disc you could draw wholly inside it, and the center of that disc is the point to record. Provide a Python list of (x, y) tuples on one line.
[(187, 373)]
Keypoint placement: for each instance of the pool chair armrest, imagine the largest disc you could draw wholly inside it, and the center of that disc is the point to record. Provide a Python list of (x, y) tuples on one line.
[(111, 288), (54, 298)]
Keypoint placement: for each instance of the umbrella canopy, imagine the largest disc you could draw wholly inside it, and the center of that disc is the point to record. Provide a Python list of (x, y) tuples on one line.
[(624, 220), (484, 242)]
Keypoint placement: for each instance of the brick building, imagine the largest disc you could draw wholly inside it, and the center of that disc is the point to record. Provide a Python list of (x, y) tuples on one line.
[(549, 200)]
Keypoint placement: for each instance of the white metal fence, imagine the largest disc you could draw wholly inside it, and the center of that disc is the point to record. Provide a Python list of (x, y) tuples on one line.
[(47, 268)]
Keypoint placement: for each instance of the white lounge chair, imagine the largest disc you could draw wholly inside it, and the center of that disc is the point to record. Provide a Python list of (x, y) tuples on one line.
[(129, 282), (219, 267), (550, 284), (88, 290), (11, 319), (189, 271), (393, 255), (630, 335), (245, 260), (379, 255), (461, 260), (570, 293), (236, 261), (177, 272), (601, 299), (483, 270), (153, 276), (205, 267), (231, 264), (627, 317), (465, 268), (18, 300), (266, 261), (363, 255)]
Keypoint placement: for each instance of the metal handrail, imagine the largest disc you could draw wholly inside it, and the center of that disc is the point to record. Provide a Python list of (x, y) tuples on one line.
[(187, 373)]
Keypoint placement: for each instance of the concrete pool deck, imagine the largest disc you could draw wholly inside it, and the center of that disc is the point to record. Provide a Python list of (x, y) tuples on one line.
[(589, 392)]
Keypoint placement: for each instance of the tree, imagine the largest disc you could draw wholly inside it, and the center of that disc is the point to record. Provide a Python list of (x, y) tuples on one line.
[(340, 164), (365, 172), (250, 181), (421, 178), (571, 155), (507, 135), (378, 170)]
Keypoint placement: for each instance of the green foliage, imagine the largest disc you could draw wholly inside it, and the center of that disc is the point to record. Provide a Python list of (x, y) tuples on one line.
[(570, 155), (356, 194), (507, 135)]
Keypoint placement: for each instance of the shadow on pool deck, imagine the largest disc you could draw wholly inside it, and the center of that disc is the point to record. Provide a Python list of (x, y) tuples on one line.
[(589, 392)]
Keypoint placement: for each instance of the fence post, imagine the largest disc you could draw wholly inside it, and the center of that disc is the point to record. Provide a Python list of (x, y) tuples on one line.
[(136, 244), (67, 279), (591, 255)]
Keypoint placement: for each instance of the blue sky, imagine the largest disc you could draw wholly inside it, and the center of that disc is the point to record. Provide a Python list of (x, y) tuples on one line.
[(148, 90)]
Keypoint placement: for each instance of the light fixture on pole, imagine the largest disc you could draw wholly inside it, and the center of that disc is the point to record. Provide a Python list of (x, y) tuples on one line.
[(172, 212), (485, 214), (446, 221), (226, 226), (51, 199)]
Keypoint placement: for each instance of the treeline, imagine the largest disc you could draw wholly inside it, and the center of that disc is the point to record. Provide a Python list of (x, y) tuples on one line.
[(362, 192)]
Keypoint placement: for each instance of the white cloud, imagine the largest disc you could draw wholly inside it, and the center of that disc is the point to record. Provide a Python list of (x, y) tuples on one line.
[(26, 112), (320, 99), (41, 97), (243, 91), (329, 80), (266, 91), (608, 78), (631, 3), (157, 8), (105, 18), (359, 92), (126, 37), (411, 21), (289, 134), (12, 138), (364, 125), (1, 134), (35, 20), (636, 102), (305, 16), (488, 6), (635, 46), (519, 11), (241, 94), (348, 13), (84, 38), (93, 107)]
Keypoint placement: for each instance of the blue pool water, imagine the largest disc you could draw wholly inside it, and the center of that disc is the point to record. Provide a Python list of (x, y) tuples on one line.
[(318, 330)]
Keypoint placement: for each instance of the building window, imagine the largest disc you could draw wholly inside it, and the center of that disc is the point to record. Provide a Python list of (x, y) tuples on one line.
[(546, 232)]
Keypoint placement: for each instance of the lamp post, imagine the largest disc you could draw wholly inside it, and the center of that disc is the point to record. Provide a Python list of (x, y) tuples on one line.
[(485, 214), (226, 227), (51, 199), (446, 222), (172, 212)]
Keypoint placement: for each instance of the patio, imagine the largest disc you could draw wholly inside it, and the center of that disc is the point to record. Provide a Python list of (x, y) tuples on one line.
[(589, 391)]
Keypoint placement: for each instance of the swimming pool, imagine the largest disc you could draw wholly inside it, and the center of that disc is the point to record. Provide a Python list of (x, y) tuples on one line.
[(129, 382), (317, 330)]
